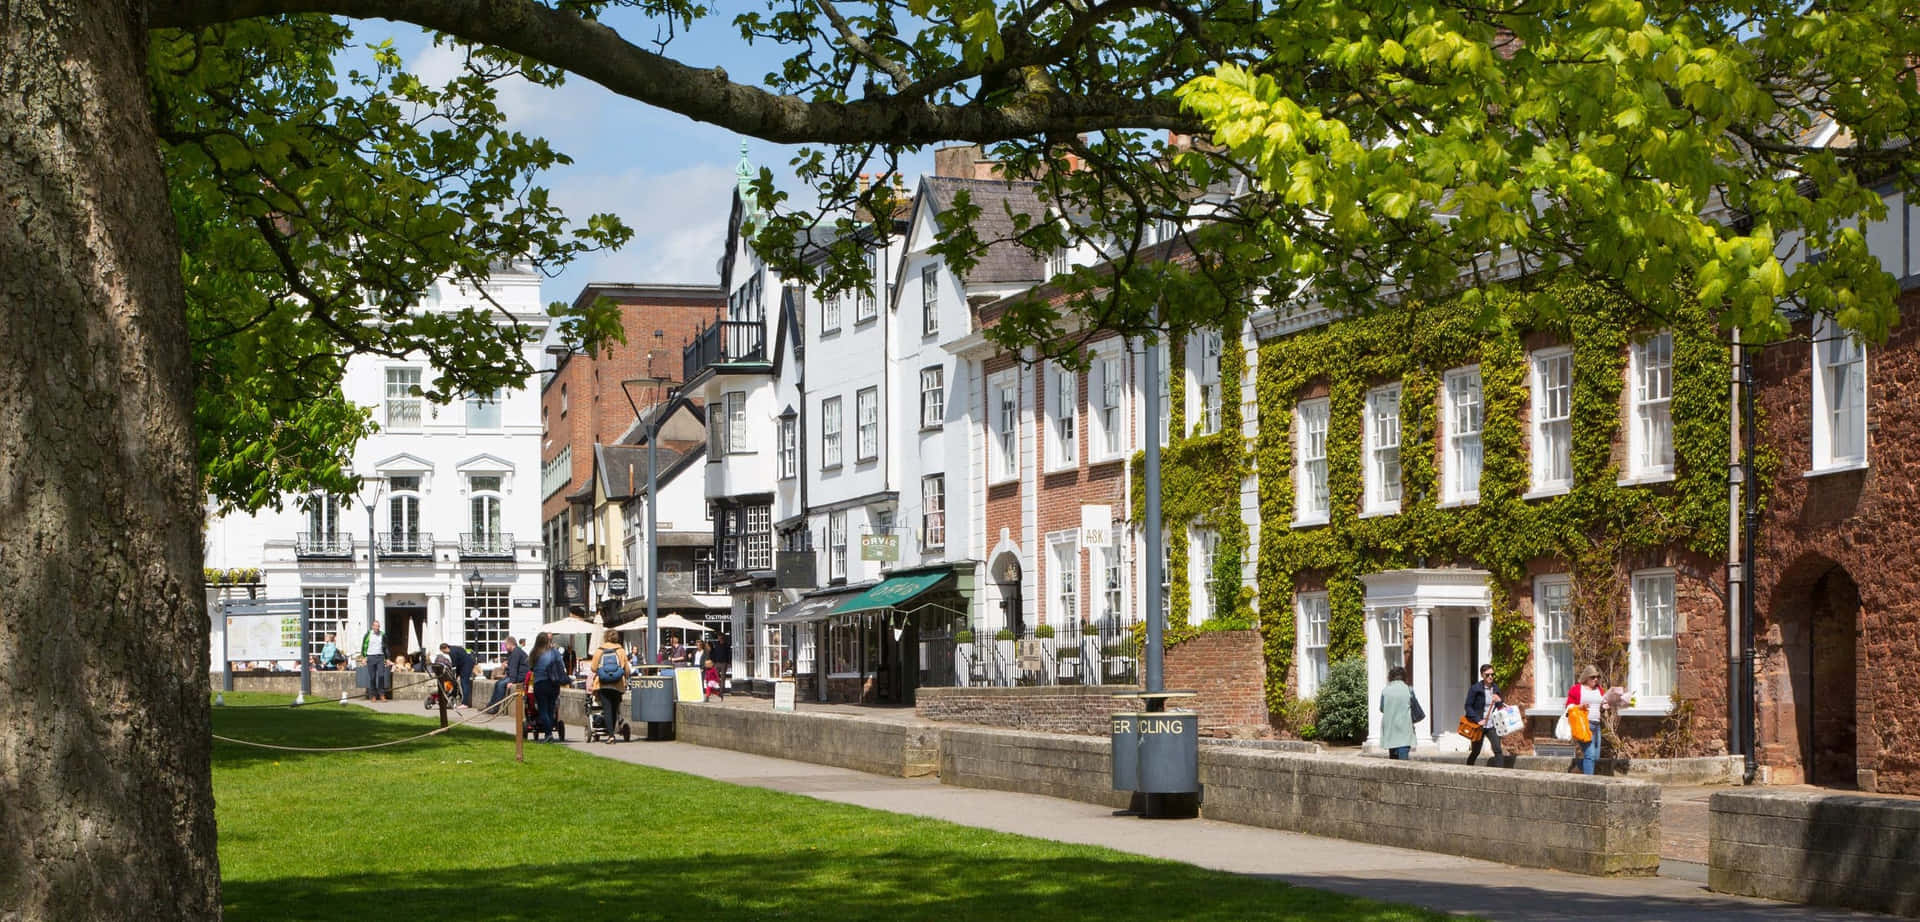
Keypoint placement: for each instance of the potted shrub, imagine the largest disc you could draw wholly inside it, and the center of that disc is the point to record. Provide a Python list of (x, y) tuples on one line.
[(963, 637), (1043, 632)]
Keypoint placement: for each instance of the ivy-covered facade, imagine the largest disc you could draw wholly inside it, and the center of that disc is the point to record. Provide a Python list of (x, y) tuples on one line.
[(1437, 493)]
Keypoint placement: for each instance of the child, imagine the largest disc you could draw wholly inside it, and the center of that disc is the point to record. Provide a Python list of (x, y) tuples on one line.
[(711, 678)]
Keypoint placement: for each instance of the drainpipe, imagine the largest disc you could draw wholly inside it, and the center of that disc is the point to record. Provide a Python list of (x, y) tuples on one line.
[(1750, 500), (1736, 554)]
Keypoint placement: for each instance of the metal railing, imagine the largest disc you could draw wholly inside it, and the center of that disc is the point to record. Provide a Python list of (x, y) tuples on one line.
[(308, 544), (486, 544), (406, 544), (724, 342)]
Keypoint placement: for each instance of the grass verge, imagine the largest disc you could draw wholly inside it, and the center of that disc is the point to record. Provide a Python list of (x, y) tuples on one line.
[(452, 828)]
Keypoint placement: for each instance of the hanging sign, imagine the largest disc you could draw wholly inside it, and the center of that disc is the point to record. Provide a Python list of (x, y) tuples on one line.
[(1096, 526), (883, 548)]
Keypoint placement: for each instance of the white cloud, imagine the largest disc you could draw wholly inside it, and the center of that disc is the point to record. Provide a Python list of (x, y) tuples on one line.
[(535, 110), (678, 216)]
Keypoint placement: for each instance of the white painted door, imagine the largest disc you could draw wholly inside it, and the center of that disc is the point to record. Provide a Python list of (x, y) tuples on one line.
[(1454, 657)]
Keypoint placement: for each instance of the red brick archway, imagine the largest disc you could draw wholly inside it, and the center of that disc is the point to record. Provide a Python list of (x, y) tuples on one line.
[(1808, 656)]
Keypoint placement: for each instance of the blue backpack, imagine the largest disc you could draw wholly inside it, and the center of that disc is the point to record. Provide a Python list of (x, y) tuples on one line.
[(611, 669)]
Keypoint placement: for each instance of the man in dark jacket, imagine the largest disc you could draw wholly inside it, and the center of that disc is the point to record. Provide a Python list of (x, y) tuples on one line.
[(462, 662), (513, 672), (1482, 698)]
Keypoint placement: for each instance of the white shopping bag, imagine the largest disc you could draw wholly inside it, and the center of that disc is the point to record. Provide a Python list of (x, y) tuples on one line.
[(1507, 721), (1562, 730)]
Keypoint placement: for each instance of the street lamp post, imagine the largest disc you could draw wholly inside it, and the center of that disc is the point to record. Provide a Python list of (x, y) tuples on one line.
[(653, 505), (373, 487)]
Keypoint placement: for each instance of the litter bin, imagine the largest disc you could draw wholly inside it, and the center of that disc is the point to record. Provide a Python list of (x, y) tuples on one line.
[(1125, 733), (653, 703), (1169, 753)]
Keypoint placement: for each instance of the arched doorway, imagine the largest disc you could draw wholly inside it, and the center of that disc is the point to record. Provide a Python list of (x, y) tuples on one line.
[(1809, 676), (1006, 574)]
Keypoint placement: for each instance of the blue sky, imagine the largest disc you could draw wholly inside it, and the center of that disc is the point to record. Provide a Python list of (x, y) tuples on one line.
[(669, 177)]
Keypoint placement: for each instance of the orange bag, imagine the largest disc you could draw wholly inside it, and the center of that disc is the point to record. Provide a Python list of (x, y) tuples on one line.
[(1577, 720)]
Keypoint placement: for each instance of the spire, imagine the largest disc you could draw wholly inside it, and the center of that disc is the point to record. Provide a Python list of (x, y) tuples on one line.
[(743, 174)]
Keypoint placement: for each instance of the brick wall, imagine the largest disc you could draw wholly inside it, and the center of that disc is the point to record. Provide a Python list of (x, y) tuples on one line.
[(1228, 669), (1075, 709), (1836, 560)]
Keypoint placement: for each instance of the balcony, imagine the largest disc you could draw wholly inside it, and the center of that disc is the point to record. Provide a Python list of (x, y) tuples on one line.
[(322, 546), (486, 545), (724, 343), (406, 544)]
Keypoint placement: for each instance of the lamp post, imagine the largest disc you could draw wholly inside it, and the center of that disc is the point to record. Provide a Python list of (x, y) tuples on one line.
[(372, 487), (653, 505)]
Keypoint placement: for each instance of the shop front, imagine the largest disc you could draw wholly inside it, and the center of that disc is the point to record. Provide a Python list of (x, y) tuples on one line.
[(877, 644)]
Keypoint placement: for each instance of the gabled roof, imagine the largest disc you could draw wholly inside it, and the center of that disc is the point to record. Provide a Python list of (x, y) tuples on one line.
[(1003, 262), (622, 469)]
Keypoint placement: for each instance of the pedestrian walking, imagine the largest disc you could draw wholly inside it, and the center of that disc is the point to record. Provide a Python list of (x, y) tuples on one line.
[(608, 681), (710, 681), (549, 673), (723, 659), (1592, 702), (1397, 707), (373, 650), (330, 655), (1482, 699)]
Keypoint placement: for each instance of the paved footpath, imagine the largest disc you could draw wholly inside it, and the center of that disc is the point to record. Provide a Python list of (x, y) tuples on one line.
[(1440, 882)]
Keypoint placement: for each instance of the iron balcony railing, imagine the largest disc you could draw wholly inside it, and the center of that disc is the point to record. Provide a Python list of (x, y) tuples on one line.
[(725, 342), (406, 544), (309, 544), (486, 544)]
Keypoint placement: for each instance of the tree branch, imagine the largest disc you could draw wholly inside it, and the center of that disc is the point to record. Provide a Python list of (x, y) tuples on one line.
[(598, 53)]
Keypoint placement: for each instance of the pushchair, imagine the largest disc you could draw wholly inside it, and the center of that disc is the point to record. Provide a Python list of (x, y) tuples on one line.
[(531, 726), (597, 729), (446, 687)]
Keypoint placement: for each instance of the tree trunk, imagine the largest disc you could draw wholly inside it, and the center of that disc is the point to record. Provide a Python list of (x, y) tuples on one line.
[(106, 800)]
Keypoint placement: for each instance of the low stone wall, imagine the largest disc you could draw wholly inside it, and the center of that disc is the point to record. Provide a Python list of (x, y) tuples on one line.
[(1701, 770), (879, 747), (1829, 849), (1228, 669), (1599, 826), (1076, 709), (1071, 767), (324, 684)]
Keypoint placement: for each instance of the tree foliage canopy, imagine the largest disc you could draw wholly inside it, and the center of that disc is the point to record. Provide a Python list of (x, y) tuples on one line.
[(1346, 153)]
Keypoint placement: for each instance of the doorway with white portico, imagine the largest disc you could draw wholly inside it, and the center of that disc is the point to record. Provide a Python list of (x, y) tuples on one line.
[(1437, 622)]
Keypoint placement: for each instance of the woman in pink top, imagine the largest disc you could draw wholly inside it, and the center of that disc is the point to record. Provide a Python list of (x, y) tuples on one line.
[(1588, 695)]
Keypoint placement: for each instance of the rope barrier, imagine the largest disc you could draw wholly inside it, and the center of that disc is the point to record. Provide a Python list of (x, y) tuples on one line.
[(434, 732), (316, 700)]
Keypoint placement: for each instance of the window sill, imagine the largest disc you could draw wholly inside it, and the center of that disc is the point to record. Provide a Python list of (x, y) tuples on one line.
[(1547, 710), (1310, 523), (1108, 459), (830, 467), (1641, 480), (866, 460), (1655, 707), (1066, 468), (1837, 469), (857, 324), (932, 427), (833, 332), (1460, 502), (1003, 481), (1547, 492), (1380, 512)]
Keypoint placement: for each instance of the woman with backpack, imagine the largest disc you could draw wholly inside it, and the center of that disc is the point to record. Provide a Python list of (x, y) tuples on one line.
[(609, 680), (549, 673)]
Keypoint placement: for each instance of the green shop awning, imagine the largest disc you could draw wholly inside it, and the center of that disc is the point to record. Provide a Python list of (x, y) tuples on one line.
[(892, 593)]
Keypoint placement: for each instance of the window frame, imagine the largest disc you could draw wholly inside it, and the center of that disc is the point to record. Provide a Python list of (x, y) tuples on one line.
[(1646, 413), (830, 314), (1378, 486), (735, 411), (1107, 418), (866, 407), (867, 299), (930, 299), (1304, 511), (1549, 688), (789, 448), (1210, 346), (389, 400), (1003, 458), (1203, 548), (933, 511), (1063, 418), (1305, 606), (1063, 578), (1638, 673), (933, 399), (1824, 458), (831, 450), (1112, 596), (837, 546), (1462, 445), (1559, 438), (495, 402)]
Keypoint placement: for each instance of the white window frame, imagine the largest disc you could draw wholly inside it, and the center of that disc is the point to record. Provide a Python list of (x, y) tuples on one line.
[(1391, 625), (933, 397), (736, 411), (866, 402), (484, 412), (929, 299), (1383, 438), (1203, 545), (1552, 423), (1654, 633), (830, 431), (830, 307), (867, 301), (1839, 399), (1552, 630), (1063, 417), (1311, 614), (1112, 597), (1465, 420), (1208, 347), (1312, 502), (1063, 578), (1003, 435), (1650, 390), (1107, 406), (486, 514), (837, 545), (405, 411), (789, 448), (324, 527), (933, 511)]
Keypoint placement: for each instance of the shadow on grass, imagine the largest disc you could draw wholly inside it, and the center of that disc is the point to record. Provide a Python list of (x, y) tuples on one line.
[(325, 725), (914, 884)]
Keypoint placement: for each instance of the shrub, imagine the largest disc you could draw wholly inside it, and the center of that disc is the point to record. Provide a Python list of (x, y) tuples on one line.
[(1003, 634), (1340, 709), (1044, 632), (963, 637)]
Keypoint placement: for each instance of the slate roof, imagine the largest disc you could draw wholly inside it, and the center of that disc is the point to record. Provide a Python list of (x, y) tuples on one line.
[(1004, 262)]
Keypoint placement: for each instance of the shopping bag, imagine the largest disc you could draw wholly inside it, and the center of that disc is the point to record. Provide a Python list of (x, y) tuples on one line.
[(1577, 723), (1507, 721), (1563, 729)]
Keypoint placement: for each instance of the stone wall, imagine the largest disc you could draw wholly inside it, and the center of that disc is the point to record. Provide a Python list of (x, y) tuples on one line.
[(1077, 709), (1228, 669), (1829, 849), (1069, 767), (878, 747)]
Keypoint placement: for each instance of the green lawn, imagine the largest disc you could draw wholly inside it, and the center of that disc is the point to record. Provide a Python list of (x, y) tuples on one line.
[(464, 833)]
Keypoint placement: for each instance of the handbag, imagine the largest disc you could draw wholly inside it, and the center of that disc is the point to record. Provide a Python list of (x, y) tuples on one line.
[(1563, 729), (1577, 723), (1413, 705), (1469, 729)]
